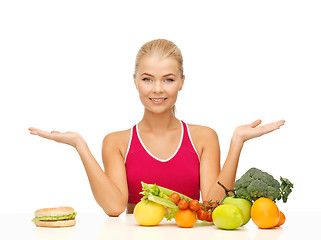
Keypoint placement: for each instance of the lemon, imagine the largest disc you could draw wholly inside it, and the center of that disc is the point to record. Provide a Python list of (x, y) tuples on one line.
[(148, 214)]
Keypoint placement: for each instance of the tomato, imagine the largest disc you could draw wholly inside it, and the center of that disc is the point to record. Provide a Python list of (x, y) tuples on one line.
[(209, 216), (206, 205), (174, 197), (148, 214), (201, 214), (185, 218), (215, 204), (194, 205), (182, 204)]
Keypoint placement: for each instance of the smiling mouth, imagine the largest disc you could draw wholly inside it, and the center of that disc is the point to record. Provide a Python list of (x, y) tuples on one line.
[(158, 100)]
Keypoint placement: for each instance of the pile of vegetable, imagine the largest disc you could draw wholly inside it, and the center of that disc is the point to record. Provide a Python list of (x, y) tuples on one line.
[(253, 198), (184, 209), (256, 183)]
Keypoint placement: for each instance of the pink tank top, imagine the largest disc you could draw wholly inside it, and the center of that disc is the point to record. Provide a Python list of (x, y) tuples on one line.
[(180, 172)]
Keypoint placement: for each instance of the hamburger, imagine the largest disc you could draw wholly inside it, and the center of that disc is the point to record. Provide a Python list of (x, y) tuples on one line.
[(55, 217)]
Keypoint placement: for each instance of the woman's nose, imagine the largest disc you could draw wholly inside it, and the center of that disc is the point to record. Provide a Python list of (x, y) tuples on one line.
[(158, 86)]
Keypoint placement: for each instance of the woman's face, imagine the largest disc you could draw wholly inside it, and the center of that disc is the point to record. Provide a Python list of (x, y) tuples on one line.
[(158, 81)]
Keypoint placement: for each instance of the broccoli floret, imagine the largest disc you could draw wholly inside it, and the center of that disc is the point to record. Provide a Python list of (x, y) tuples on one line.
[(273, 192), (244, 182), (242, 193), (256, 183), (257, 189)]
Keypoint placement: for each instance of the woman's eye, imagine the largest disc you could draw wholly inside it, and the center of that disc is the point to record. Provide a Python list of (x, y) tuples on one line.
[(146, 79), (169, 80)]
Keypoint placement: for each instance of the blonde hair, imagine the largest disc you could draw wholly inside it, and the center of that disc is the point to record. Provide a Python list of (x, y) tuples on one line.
[(164, 48)]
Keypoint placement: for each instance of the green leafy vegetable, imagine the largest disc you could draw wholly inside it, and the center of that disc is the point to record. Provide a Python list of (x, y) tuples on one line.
[(161, 195), (286, 189), (256, 183), (72, 215)]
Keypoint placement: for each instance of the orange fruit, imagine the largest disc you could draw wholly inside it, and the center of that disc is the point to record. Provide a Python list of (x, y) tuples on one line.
[(185, 218), (281, 220), (265, 213)]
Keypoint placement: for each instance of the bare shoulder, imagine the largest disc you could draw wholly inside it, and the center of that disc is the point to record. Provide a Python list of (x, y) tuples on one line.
[(118, 136), (117, 140), (203, 138), (201, 132)]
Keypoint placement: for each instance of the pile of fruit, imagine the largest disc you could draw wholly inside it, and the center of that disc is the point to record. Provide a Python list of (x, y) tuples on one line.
[(159, 202), (190, 211), (253, 197)]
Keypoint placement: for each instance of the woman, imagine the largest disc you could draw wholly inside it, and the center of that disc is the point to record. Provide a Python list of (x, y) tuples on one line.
[(160, 149)]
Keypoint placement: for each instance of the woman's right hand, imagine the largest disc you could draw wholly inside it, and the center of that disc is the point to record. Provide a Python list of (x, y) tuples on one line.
[(70, 138)]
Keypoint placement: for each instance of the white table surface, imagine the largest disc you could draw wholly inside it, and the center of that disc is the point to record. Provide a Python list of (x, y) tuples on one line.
[(298, 225)]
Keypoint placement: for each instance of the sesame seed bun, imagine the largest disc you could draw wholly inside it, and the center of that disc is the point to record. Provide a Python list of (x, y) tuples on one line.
[(53, 212)]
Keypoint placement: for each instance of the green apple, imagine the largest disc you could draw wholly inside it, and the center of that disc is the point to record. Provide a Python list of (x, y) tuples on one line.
[(243, 204), (227, 217)]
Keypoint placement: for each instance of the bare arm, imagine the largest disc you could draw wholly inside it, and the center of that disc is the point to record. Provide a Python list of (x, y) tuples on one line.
[(210, 160), (111, 198)]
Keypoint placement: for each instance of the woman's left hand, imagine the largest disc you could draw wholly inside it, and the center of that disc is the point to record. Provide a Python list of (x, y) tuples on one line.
[(253, 130)]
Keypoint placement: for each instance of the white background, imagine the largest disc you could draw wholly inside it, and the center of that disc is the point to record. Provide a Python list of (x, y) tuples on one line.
[(68, 65)]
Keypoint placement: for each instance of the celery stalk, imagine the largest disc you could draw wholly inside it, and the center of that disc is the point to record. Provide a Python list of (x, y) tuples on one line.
[(157, 190), (162, 201), (161, 195), (168, 192), (171, 208)]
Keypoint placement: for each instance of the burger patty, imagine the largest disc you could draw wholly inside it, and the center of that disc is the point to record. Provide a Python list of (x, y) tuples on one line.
[(57, 220)]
